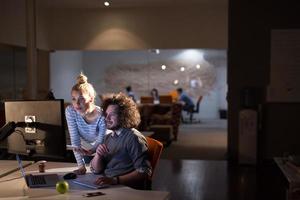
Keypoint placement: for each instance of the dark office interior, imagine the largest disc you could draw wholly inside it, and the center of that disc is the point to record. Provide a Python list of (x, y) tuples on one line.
[(252, 32)]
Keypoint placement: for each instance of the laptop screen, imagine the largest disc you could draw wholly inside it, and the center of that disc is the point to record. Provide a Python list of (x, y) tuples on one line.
[(20, 165), (40, 180)]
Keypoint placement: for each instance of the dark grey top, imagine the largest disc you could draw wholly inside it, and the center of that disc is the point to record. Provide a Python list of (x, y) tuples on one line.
[(128, 151)]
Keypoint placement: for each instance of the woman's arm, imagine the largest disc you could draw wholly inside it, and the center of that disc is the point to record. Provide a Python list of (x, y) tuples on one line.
[(74, 134), (101, 133)]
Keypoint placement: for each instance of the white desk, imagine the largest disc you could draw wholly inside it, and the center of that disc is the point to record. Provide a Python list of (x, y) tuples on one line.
[(12, 187), (292, 177), (10, 166)]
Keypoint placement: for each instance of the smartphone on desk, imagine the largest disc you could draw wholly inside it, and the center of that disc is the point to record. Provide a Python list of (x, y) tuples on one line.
[(93, 194)]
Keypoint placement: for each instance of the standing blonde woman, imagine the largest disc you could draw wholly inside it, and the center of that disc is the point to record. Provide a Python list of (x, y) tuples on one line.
[(85, 121)]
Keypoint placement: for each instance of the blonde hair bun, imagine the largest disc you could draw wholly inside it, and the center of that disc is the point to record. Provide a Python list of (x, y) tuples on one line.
[(82, 79)]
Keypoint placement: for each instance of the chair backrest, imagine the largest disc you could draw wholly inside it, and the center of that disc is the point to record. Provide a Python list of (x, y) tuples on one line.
[(147, 99), (165, 99), (198, 104), (154, 149)]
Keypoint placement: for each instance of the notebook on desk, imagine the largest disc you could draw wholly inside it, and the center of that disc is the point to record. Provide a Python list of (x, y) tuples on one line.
[(88, 180), (38, 180)]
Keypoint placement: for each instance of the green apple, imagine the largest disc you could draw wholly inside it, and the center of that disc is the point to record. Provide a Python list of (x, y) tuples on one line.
[(62, 187)]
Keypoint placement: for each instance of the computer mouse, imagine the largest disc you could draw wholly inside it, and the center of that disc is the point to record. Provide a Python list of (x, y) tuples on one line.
[(70, 175)]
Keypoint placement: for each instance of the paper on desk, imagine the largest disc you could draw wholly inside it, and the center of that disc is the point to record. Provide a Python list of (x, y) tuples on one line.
[(86, 145)]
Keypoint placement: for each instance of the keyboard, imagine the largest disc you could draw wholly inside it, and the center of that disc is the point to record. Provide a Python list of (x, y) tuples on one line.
[(41, 180), (37, 179)]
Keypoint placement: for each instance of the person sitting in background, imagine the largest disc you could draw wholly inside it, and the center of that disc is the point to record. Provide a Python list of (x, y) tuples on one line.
[(85, 121), (174, 95), (130, 93), (123, 157), (155, 95), (187, 101)]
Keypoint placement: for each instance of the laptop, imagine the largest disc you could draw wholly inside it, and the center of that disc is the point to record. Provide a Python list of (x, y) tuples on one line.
[(37, 180)]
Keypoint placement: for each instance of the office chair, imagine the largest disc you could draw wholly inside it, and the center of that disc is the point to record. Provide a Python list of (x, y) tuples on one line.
[(191, 112), (165, 99), (154, 149), (147, 99)]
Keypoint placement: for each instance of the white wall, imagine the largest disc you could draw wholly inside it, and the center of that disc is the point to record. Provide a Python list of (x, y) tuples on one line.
[(221, 86), (96, 64), (104, 71), (209, 106), (168, 27), (216, 99), (65, 66)]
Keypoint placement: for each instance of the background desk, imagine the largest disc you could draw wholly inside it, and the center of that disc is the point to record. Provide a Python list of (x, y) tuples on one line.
[(161, 116), (292, 178), (13, 186)]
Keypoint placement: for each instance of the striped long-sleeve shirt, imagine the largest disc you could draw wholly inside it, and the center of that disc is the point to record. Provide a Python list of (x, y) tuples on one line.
[(79, 129)]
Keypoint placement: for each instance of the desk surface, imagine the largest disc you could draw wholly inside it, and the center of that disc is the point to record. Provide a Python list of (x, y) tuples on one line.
[(292, 176), (13, 186), (10, 166)]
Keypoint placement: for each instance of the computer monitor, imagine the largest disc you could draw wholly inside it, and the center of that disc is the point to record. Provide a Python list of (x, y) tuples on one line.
[(39, 128)]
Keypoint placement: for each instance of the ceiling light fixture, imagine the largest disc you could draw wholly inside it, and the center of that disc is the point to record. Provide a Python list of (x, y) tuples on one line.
[(198, 66), (182, 69), (106, 3), (163, 67)]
